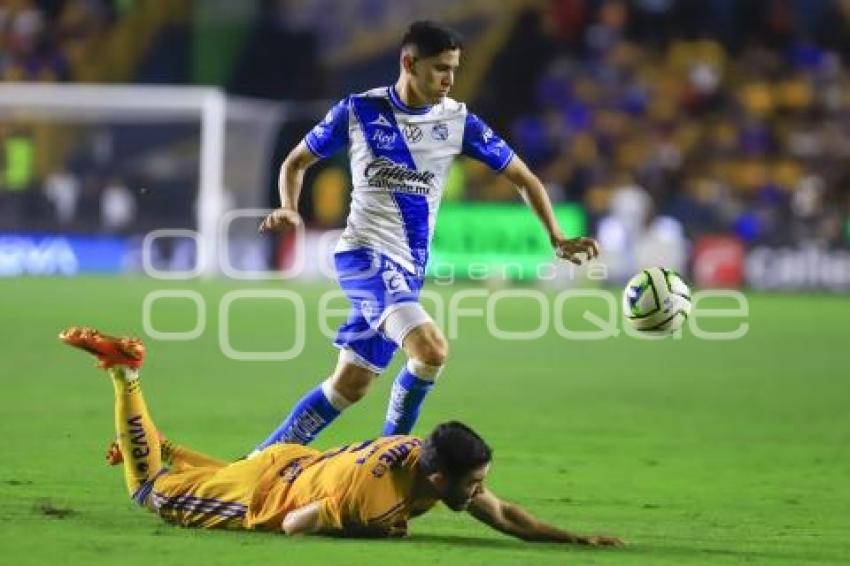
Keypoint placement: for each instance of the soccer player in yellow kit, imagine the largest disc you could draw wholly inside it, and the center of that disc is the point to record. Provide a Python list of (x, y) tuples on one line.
[(371, 488)]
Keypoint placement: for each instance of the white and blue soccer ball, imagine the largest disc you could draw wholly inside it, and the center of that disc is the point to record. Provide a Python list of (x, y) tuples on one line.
[(656, 301)]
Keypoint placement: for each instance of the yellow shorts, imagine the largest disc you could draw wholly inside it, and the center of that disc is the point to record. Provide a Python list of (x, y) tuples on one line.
[(213, 497)]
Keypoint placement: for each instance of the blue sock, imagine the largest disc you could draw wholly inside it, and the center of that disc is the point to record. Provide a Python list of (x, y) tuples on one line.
[(309, 417), (406, 400)]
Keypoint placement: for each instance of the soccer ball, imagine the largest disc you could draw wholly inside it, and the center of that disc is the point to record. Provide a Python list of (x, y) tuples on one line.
[(656, 301)]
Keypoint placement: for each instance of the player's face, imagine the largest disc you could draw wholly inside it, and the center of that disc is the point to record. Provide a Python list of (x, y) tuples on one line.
[(460, 492), (434, 77)]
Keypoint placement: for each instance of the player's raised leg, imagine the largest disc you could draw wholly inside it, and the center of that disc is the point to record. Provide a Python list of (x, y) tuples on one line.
[(323, 404), (427, 350), (171, 454), (137, 435)]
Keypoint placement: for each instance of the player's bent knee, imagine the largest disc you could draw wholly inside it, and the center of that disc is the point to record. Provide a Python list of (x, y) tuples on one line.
[(408, 322), (427, 345), (409, 326), (433, 351), (350, 380)]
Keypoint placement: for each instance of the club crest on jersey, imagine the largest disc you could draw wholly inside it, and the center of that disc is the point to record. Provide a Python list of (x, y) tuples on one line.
[(440, 131), (412, 133), (384, 140), (381, 121)]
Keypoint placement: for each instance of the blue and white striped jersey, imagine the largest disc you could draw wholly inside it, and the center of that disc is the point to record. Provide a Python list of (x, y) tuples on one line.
[(400, 158)]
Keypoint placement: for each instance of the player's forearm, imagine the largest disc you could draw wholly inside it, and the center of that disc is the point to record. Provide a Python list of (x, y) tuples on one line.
[(291, 177), (535, 196), (525, 526), (290, 181)]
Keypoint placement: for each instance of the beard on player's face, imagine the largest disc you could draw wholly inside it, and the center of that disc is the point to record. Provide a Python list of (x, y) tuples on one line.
[(458, 492)]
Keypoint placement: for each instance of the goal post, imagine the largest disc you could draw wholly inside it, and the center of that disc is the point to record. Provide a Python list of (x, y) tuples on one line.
[(252, 124)]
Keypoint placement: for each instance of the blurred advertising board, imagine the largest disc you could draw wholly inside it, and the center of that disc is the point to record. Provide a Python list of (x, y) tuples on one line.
[(507, 239), (802, 267), (724, 261), (41, 254), (718, 262)]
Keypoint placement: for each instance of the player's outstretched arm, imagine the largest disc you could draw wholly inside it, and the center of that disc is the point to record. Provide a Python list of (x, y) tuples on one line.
[(534, 194), (515, 521), (290, 182)]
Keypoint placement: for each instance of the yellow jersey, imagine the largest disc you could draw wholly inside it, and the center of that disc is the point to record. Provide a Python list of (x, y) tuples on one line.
[(364, 487)]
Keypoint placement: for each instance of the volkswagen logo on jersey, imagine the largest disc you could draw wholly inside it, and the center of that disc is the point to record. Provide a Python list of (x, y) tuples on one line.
[(412, 133), (440, 132)]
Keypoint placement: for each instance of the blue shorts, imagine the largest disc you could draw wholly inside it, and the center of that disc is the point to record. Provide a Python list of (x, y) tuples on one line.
[(374, 284)]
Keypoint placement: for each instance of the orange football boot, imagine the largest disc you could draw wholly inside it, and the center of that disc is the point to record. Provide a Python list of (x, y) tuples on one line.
[(110, 351)]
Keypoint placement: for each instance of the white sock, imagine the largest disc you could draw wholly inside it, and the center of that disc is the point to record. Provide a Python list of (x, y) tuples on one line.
[(334, 397)]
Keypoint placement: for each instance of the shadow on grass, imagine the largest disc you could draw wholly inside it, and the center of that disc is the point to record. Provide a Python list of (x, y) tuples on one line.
[(679, 551), (648, 552), (505, 543), (416, 538), (463, 540), (682, 552)]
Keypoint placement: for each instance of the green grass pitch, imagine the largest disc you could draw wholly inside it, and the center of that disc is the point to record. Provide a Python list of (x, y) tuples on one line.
[(694, 452)]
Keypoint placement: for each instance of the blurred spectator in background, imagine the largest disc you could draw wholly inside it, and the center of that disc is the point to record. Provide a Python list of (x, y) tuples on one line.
[(62, 190), (117, 207), (28, 50), (725, 128), (731, 117), (634, 236)]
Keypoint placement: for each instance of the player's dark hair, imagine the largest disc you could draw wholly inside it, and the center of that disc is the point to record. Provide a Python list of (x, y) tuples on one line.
[(430, 38), (453, 449)]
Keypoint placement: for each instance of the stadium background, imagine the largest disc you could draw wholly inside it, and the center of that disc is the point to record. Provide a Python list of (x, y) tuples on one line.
[(711, 137)]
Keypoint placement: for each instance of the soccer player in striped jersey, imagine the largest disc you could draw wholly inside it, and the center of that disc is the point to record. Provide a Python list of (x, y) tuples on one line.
[(401, 140), (368, 489)]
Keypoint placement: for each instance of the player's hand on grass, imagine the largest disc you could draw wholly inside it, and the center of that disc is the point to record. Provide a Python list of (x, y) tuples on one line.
[(571, 248), (600, 541), (281, 220)]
